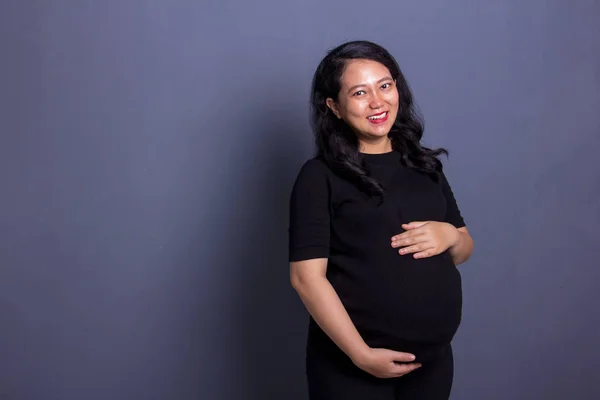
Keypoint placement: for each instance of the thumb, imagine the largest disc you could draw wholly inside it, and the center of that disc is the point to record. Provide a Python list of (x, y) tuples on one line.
[(414, 224)]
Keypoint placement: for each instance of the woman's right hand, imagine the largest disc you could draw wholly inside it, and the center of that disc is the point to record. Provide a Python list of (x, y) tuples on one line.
[(385, 363)]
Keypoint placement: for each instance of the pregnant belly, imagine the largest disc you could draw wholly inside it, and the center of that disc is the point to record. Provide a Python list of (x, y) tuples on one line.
[(404, 304)]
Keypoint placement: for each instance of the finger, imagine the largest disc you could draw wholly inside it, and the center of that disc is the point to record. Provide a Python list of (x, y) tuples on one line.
[(403, 369), (414, 224), (407, 234), (420, 248), (426, 253), (406, 241), (399, 356)]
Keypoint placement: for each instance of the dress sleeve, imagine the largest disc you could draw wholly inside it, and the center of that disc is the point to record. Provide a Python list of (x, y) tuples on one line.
[(453, 215), (309, 225)]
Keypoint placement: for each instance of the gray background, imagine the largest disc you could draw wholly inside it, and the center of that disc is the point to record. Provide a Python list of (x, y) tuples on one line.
[(147, 152)]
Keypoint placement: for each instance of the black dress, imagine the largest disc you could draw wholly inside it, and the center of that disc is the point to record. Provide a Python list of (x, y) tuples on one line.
[(395, 301)]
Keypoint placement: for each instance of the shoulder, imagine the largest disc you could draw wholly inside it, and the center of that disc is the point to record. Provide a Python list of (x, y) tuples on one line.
[(314, 168), (443, 177), (313, 180), (315, 165), (312, 188)]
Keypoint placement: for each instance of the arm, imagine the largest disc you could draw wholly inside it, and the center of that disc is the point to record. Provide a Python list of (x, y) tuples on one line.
[(462, 249), (324, 305), (461, 246), (309, 252)]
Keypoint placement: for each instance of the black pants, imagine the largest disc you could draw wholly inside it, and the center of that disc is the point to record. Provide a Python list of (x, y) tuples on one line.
[(331, 378)]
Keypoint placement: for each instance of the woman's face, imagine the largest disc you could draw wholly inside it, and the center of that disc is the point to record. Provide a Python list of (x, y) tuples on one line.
[(368, 99)]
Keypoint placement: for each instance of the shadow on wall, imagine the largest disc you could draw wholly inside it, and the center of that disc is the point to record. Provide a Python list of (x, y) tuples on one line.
[(270, 318)]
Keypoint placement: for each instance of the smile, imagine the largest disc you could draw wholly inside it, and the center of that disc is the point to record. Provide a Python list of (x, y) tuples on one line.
[(378, 118)]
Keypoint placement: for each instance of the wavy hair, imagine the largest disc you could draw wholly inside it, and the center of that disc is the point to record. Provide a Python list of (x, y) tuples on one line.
[(337, 143)]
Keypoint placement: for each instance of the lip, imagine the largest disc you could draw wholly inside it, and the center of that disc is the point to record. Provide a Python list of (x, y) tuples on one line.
[(379, 121)]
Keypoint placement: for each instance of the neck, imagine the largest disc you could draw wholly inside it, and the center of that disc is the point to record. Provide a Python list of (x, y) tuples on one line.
[(382, 146)]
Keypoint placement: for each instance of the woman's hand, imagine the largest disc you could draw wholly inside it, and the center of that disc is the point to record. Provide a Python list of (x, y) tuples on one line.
[(384, 363), (426, 238)]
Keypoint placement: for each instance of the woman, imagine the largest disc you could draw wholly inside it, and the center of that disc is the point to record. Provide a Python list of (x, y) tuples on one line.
[(375, 237)]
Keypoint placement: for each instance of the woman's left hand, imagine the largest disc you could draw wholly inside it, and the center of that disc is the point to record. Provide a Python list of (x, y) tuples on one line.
[(426, 238)]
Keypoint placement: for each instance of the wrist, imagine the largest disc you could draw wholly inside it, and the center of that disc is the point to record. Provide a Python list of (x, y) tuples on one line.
[(360, 354)]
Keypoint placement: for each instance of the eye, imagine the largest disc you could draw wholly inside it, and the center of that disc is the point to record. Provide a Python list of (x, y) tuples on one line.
[(386, 85), (359, 93)]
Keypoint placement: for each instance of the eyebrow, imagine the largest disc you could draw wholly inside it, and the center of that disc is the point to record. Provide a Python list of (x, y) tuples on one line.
[(387, 78)]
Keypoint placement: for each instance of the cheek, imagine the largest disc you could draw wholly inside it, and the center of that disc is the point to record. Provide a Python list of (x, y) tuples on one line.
[(357, 109), (392, 99)]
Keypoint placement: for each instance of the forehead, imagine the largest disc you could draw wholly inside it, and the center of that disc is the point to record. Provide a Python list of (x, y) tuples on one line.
[(358, 72)]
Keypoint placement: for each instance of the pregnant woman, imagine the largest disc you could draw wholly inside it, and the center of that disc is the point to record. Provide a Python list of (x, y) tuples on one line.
[(375, 238)]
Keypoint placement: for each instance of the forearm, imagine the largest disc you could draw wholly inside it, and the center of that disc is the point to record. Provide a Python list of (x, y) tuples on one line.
[(326, 308), (463, 248)]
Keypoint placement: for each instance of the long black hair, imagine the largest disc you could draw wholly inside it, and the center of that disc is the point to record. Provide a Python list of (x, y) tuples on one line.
[(337, 143)]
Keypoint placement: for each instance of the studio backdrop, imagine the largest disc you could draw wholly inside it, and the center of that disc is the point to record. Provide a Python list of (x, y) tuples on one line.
[(147, 153)]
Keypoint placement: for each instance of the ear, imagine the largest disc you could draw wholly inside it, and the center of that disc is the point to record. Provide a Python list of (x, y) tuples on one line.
[(333, 107)]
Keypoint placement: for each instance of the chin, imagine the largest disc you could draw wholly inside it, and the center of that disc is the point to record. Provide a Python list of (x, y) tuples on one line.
[(381, 132)]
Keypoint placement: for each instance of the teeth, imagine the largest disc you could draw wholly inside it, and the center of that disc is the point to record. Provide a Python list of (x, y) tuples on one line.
[(378, 116)]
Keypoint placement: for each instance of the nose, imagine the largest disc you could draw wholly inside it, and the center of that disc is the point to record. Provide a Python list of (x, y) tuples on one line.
[(376, 101)]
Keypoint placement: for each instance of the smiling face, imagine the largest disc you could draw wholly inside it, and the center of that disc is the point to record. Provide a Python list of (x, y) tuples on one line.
[(368, 99)]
